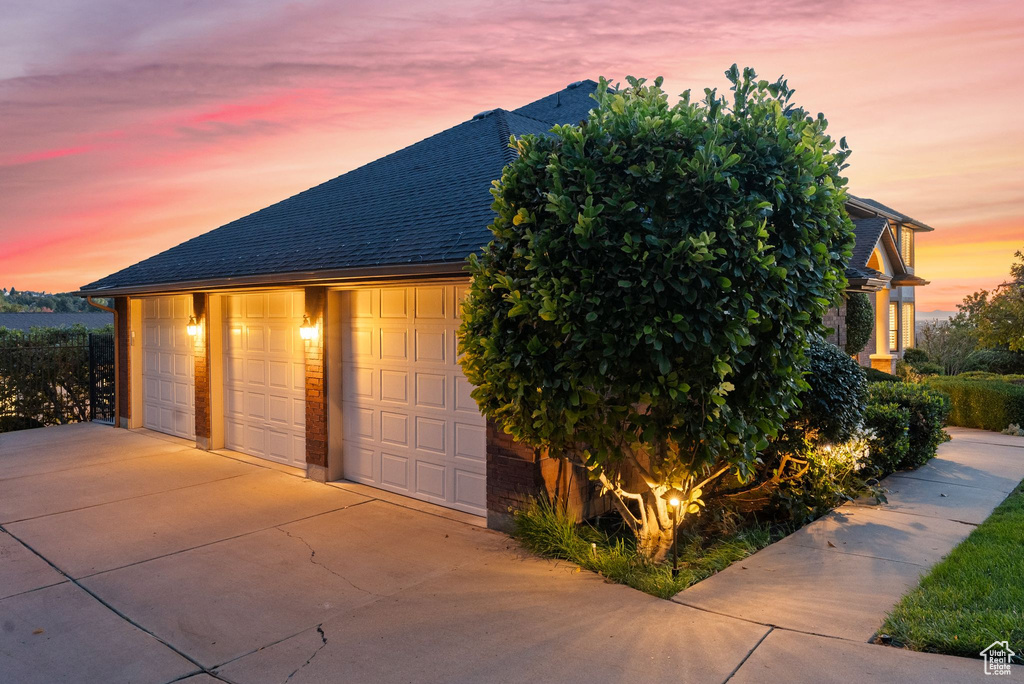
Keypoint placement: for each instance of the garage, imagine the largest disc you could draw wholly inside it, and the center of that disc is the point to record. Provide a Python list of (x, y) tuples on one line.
[(264, 376), (409, 423), (168, 403)]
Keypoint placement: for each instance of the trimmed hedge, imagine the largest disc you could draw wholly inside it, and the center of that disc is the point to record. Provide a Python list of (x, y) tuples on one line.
[(874, 375), (927, 410), (983, 404)]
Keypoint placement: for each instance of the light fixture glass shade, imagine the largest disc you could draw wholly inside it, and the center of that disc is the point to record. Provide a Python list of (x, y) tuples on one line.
[(307, 330), (193, 326)]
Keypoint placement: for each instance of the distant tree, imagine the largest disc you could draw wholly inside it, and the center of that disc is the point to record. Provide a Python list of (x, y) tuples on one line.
[(654, 280), (998, 315), (947, 343)]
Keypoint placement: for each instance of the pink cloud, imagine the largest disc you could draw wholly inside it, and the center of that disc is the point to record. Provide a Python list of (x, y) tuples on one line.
[(160, 121), (44, 155)]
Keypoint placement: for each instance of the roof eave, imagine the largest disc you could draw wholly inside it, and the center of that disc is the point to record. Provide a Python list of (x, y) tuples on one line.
[(909, 281), (298, 278), (897, 218), (865, 284)]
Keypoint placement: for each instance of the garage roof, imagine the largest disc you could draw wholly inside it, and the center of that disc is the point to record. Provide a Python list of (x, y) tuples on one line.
[(428, 203)]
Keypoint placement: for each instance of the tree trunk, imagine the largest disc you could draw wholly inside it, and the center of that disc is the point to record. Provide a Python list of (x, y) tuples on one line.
[(654, 538)]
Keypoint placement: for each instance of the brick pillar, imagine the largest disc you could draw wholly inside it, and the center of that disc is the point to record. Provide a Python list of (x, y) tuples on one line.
[(122, 351), (202, 359), (316, 385), (517, 473)]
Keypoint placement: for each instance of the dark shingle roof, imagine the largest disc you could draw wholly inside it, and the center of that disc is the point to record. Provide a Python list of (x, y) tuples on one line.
[(427, 203), (899, 215), (868, 231), (26, 320)]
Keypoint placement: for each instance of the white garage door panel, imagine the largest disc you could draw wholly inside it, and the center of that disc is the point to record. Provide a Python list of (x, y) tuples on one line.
[(168, 403), (409, 423), (265, 376)]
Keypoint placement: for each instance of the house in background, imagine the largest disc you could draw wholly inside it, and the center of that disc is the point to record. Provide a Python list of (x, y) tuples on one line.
[(882, 267), (319, 332)]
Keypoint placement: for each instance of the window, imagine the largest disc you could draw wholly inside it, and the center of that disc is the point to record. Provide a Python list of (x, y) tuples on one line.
[(893, 325), (907, 245), (908, 325)]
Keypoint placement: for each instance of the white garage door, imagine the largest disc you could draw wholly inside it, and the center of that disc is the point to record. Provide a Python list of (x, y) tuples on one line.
[(169, 397), (409, 423), (265, 376)]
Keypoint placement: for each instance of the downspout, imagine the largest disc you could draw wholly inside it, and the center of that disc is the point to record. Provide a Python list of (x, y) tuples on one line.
[(117, 377)]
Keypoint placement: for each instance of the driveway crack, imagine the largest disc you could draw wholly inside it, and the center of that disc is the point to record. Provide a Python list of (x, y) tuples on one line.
[(314, 561), (323, 642)]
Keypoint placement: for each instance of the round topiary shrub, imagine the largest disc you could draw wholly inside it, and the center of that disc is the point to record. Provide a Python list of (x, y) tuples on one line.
[(834, 403), (860, 319), (915, 356)]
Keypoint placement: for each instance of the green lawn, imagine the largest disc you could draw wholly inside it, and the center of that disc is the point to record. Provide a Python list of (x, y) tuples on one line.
[(974, 596)]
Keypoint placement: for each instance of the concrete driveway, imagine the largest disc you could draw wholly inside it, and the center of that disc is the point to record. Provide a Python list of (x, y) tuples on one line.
[(132, 557)]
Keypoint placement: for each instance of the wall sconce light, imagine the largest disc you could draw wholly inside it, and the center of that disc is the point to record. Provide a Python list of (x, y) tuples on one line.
[(193, 326), (307, 330)]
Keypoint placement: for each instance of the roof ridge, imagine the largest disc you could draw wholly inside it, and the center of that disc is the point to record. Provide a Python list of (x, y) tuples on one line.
[(532, 118)]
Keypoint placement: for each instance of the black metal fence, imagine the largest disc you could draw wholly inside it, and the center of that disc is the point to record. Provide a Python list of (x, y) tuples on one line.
[(53, 376)]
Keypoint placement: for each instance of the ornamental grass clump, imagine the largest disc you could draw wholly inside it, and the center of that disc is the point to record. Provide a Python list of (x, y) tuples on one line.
[(654, 278)]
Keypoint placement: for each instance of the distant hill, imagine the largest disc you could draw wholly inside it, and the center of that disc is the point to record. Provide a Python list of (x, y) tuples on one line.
[(936, 315), (14, 301)]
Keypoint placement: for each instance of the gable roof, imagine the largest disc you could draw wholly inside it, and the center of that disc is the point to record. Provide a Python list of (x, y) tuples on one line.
[(428, 203), (868, 231), (875, 207)]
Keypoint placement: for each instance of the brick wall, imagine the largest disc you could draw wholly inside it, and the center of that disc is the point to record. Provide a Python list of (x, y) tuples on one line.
[(316, 400), (517, 473), (201, 356), (836, 320), (124, 360)]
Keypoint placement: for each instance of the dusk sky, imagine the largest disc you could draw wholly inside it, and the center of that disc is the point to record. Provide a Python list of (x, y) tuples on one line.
[(128, 127)]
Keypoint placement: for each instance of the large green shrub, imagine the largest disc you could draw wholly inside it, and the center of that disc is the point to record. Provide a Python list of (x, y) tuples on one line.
[(997, 361), (833, 404), (888, 437), (915, 357), (653, 279), (982, 404), (814, 463), (860, 320), (928, 410)]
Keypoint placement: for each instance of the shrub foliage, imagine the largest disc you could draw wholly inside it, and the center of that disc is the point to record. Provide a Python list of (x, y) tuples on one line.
[(983, 404), (926, 413), (654, 275), (860, 319)]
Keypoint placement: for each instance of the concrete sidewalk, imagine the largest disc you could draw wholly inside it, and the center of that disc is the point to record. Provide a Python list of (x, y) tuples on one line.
[(828, 586), (132, 557)]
